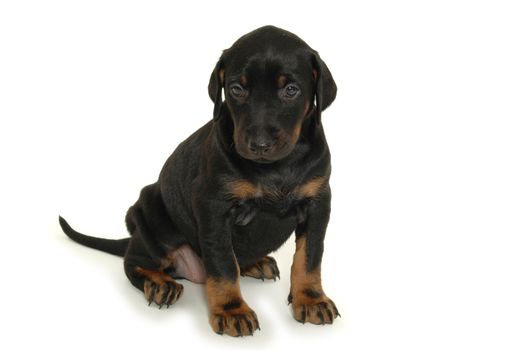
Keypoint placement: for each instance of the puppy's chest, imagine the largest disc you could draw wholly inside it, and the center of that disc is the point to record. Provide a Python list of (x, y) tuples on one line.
[(281, 199)]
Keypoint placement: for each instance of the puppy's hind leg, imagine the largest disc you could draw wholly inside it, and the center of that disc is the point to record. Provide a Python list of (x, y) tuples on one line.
[(143, 263), (147, 276)]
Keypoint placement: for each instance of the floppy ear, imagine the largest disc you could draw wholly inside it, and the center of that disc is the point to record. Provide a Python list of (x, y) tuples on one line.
[(215, 88), (325, 86)]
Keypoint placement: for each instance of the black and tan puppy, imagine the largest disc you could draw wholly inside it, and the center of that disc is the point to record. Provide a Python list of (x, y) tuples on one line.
[(237, 188)]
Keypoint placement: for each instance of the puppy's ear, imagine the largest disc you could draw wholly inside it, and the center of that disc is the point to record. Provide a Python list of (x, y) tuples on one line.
[(215, 88), (325, 85)]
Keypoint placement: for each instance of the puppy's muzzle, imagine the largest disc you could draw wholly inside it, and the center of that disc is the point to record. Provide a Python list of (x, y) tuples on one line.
[(261, 146)]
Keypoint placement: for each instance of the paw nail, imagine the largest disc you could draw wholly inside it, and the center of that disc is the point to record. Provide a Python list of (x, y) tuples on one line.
[(238, 326), (320, 316)]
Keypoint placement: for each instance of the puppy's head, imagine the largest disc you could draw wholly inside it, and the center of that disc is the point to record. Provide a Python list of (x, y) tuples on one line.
[(272, 81)]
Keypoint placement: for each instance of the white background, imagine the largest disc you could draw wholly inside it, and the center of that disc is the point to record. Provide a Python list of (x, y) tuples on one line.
[(426, 246)]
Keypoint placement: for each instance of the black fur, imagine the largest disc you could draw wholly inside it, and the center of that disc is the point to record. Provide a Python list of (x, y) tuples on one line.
[(250, 138), (115, 247)]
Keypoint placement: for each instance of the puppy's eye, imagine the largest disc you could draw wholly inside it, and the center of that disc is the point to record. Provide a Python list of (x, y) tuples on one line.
[(237, 91), (291, 91)]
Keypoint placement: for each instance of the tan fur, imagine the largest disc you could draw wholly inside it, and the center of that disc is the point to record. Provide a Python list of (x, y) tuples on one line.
[(159, 287), (306, 110), (222, 76), (220, 292), (309, 302), (153, 275), (281, 81), (229, 313), (300, 278), (296, 132), (243, 189), (265, 268), (311, 188)]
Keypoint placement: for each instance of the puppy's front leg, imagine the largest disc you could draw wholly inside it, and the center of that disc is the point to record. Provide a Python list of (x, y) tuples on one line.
[(309, 302), (229, 313)]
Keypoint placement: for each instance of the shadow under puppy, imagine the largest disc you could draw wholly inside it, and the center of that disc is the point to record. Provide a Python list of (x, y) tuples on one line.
[(236, 189)]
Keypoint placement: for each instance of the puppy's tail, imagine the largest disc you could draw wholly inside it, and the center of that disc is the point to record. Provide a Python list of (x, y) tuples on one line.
[(113, 246)]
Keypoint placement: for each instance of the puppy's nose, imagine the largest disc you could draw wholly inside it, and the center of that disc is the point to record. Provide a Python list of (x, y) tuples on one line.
[(260, 146)]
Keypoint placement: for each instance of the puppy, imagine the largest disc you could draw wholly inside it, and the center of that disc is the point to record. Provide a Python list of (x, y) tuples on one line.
[(236, 189)]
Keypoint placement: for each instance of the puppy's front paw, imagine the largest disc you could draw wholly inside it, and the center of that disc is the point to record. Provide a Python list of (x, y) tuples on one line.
[(266, 268), (313, 307), (235, 319)]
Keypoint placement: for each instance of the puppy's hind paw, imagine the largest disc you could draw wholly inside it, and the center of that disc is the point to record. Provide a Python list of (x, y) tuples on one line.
[(159, 288), (165, 293), (266, 268)]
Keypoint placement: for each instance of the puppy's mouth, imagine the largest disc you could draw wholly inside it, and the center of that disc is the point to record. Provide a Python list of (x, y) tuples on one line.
[(260, 159), (263, 160), (274, 152), (277, 155)]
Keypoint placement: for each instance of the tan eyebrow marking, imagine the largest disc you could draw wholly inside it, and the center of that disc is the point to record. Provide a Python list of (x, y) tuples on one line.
[(281, 81)]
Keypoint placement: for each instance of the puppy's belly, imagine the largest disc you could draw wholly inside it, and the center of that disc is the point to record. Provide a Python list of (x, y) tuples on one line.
[(185, 263), (265, 233)]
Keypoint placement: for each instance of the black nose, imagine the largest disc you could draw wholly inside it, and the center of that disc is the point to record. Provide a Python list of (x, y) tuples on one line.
[(260, 147)]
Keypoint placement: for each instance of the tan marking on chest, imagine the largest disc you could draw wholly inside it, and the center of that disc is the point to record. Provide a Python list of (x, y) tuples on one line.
[(312, 187), (244, 189)]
